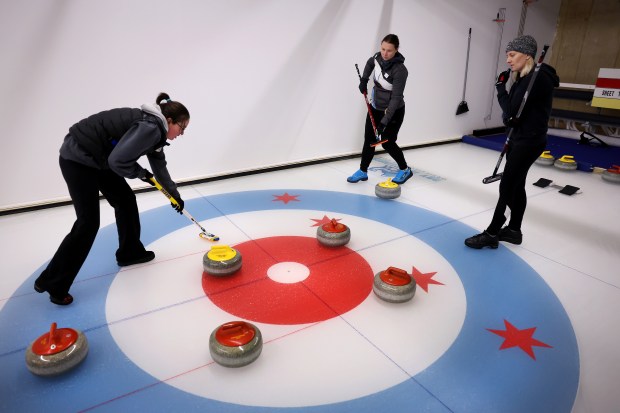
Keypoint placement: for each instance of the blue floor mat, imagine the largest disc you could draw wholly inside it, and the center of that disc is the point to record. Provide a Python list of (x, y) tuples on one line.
[(587, 156)]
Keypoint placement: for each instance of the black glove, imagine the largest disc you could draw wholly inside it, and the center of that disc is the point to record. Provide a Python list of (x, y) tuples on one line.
[(178, 208), (147, 178), (363, 86), (380, 129), (502, 78), (512, 122)]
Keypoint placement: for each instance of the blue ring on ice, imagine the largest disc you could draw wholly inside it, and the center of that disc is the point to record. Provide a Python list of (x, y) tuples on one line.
[(472, 375)]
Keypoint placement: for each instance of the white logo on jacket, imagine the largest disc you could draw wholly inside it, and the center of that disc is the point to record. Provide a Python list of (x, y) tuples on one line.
[(380, 77)]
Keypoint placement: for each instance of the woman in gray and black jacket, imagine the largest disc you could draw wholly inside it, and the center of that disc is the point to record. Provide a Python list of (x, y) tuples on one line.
[(388, 107), (96, 156)]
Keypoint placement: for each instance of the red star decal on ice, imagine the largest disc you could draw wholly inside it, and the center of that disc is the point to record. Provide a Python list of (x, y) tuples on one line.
[(322, 221), (513, 337), (424, 279), (286, 198)]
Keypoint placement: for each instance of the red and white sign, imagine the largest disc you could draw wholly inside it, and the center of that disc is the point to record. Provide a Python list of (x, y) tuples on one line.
[(607, 90)]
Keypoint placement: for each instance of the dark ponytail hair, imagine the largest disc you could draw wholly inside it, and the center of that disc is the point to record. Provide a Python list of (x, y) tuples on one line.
[(392, 39), (172, 109)]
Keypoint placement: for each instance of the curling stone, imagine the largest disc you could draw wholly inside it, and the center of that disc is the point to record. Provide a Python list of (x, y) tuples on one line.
[(57, 351), (612, 174), (387, 189), (545, 159), (221, 260), (566, 162), (333, 234), (394, 285), (235, 344)]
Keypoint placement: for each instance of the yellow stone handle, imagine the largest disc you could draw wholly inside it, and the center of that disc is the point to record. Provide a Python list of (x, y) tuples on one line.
[(388, 184), (221, 253)]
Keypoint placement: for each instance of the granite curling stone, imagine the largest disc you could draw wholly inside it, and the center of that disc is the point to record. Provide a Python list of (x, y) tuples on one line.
[(566, 162), (545, 159), (235, 344), (56, 351), (387, 189), (333, 234), (394, 285), (612, 174), (221, 260)]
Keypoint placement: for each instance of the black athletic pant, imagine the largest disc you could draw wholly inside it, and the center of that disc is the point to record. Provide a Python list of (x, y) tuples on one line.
[(84, 184), (519, 159), (390, 133)]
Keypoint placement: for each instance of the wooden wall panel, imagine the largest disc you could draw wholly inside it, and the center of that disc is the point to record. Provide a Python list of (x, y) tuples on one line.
[(601, 45), (571, 30), (587, 38)]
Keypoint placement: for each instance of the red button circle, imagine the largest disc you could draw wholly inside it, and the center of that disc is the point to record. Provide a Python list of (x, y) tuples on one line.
[(340, 279)]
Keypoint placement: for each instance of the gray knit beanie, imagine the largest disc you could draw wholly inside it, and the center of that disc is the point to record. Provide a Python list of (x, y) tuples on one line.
[(523, 44)]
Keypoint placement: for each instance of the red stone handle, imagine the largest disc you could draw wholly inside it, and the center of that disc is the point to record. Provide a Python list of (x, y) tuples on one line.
[(235, 333), (395, 276), (52, 336), (398, 273)]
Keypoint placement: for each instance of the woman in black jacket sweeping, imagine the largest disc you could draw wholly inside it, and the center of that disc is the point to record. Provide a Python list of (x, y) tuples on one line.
[(527, 142), (96, 156)]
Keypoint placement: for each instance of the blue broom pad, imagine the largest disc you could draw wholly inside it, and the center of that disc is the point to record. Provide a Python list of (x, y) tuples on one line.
[(586, 156)]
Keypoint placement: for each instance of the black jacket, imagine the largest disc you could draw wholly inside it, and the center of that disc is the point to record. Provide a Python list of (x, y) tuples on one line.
[(531, 126), (98, 134), (115, 139)]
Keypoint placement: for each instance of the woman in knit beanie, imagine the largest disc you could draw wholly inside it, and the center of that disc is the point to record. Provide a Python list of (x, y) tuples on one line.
[(528, 139)]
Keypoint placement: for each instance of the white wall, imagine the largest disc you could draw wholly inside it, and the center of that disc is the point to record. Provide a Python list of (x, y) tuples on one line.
[(267, 82)]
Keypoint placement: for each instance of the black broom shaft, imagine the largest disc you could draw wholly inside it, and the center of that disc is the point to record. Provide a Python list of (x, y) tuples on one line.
[(466, 64), (502, 154), (529, 85)]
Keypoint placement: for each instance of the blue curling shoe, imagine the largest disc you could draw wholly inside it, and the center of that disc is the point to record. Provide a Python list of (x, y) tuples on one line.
[(402, 176), (359, 175)]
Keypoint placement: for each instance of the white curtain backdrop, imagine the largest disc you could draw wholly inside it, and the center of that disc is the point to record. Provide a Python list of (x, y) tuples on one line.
[(267, 82)]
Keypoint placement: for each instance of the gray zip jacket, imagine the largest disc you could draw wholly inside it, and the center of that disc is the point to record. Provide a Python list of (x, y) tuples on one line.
[(390, 78)]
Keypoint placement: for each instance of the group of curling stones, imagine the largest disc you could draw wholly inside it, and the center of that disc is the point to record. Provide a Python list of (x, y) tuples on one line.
[(565, 162), (232, 344), (392, 285), (236, 343), (239, 343), (568, 163)]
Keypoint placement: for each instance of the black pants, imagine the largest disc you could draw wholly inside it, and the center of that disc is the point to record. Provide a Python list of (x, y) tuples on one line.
[(84, 184), (390, 133), (519, 159)]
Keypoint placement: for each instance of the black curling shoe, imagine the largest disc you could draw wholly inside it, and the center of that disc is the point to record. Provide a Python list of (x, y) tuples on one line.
[(145, 257), (56, 299), (482, 240), (510, 235)]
